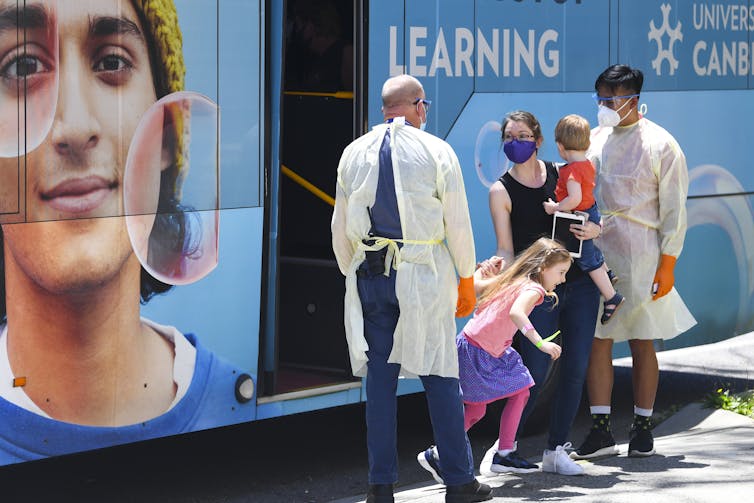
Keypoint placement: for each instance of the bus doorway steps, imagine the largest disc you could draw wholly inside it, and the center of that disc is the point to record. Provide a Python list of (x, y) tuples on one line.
[(311, 336)]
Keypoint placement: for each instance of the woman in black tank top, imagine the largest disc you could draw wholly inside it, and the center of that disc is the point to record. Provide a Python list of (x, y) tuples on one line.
[(528, 219), (519, 219)]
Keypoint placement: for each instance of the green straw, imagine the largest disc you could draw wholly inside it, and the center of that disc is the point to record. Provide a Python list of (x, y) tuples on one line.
[(548, 339)]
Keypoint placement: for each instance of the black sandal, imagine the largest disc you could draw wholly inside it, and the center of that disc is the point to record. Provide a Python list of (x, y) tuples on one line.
[(607, 312)]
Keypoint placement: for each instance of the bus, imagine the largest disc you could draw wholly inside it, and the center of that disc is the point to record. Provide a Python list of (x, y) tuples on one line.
[(273, 92)]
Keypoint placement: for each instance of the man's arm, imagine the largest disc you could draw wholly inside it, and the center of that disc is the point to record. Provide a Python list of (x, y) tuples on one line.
[(673, 190), (341, 245), (455, 207)]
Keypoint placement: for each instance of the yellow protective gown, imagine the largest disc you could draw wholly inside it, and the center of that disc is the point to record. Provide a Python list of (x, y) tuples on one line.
[(437, 242), (642, 183)]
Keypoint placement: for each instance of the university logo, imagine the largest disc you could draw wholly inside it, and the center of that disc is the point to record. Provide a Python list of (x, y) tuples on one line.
[(665, 53)]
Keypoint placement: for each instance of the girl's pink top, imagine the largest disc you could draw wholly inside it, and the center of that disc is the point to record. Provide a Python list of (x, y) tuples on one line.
[(491, 328)]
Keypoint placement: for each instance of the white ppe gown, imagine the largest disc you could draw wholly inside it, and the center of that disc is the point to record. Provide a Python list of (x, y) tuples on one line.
[(642, 184), (437, 242)]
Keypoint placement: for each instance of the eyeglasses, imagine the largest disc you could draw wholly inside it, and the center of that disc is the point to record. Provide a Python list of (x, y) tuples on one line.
[(507, 138), (611, 100), (426, 103)]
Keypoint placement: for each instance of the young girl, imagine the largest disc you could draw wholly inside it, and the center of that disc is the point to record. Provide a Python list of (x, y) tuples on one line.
[(489, 368)]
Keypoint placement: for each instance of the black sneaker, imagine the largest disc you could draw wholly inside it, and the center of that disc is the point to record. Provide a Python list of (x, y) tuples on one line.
[(512, 463), (380, 493), (641, 443), (599, 443), (468, 493), (429, 462)]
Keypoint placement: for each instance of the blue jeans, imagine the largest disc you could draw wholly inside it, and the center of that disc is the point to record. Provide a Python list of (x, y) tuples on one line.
[(380, 307), (591, 256), (576, 317)]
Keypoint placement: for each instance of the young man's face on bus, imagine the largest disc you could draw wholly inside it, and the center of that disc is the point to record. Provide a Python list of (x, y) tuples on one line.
[(76, 175)]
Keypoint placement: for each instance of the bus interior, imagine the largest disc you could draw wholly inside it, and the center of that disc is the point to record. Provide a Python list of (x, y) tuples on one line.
[(318, 120)]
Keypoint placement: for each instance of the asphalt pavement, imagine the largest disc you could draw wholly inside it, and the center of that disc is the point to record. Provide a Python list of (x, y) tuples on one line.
[(703, 454)]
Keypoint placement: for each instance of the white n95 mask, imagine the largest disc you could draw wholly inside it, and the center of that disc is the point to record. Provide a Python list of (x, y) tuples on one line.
[(607, 117)]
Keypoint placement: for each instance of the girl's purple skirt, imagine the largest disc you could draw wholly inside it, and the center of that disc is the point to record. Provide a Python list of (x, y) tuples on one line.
[(485, 378)]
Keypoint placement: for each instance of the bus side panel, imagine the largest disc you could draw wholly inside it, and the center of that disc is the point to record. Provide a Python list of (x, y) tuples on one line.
[(222, 308), (293, 406), (697, 62), (207, 378), (456, 48)]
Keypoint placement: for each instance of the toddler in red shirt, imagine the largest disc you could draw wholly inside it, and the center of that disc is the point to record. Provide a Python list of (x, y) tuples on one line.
[(575, 192)]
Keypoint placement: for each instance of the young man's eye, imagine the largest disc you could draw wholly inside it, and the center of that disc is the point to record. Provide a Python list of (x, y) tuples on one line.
[(22, 66), (111, 63)]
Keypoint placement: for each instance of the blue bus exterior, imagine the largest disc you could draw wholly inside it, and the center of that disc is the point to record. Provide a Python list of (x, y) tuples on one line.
[(477, 60)]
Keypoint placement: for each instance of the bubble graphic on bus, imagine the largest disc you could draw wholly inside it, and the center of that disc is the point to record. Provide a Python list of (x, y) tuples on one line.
[(734, 216), (489, 159), (171, 188), (29, 83)]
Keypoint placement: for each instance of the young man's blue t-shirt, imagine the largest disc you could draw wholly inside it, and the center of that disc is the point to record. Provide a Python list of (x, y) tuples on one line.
[(210, 401)]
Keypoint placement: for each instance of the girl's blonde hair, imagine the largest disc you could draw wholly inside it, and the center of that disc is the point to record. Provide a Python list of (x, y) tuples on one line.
[(528, 265)]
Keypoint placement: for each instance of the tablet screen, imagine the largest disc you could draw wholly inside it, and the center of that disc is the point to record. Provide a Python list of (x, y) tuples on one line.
[(560, 231)]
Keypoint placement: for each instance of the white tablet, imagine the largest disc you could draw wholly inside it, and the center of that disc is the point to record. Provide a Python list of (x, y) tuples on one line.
[(561, 223)]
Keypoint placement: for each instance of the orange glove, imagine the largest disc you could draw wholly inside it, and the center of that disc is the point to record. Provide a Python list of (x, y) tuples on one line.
[(664, 278), (466, 297)]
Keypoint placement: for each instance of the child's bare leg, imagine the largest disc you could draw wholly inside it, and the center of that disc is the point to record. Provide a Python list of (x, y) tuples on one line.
[(601, 279), (610, 274)]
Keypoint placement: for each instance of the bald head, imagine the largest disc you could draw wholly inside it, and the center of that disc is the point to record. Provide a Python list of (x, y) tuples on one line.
[(400, 90), (399, 95)]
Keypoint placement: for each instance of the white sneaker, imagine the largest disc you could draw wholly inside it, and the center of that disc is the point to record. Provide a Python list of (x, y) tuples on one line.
[(485, 467), (558, 461)]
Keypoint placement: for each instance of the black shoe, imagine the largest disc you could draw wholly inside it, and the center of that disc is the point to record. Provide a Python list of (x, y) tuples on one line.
[(380, 493), (610, 307), (468, 493), (512, 463), (428, 461), (599, 443), (641, 443)]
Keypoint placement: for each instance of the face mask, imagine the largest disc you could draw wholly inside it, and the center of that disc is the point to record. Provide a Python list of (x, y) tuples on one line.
[(607, 117), (519, 151), (423, 125)]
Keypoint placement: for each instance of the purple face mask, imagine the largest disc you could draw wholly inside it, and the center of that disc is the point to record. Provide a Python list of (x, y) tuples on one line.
[(519, 151)]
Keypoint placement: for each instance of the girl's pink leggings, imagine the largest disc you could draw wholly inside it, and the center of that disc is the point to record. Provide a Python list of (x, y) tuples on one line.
[(509, 419)]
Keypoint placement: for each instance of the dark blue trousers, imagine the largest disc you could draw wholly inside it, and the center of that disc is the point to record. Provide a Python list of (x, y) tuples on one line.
[(576, 317), (380, 308)]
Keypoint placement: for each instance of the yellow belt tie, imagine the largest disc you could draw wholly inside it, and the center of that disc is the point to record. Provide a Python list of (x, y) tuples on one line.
[(630, 218), (393, 254)]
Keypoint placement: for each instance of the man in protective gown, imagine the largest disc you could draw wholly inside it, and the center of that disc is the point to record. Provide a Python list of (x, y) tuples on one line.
[(401, 230), (642, 187)]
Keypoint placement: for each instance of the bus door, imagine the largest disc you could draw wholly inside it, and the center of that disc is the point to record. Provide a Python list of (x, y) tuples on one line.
[(318, 119)]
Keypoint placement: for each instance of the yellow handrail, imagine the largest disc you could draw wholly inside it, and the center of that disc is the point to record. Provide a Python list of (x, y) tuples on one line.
[(307, 185), (343, 95)]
